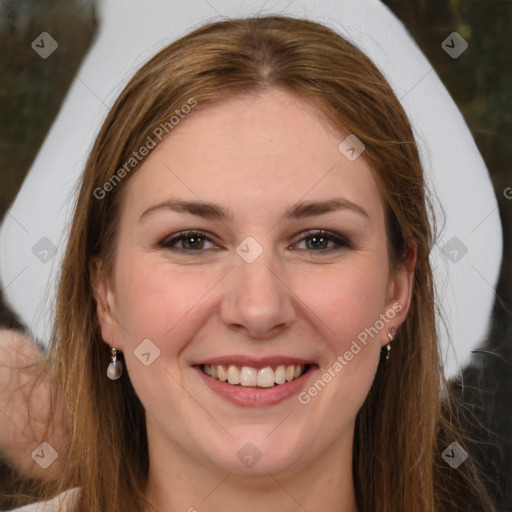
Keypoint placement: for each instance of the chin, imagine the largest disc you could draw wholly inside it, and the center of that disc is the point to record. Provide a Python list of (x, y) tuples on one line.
[(247, 456)]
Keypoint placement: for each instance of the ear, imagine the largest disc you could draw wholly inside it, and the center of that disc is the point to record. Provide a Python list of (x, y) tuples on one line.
[(399, 292), (105, 302)]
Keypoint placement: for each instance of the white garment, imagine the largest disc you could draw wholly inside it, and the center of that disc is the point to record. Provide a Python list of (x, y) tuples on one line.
[(64, 502)]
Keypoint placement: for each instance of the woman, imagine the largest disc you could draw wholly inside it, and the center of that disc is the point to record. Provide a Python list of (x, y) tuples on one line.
[(250, 248)]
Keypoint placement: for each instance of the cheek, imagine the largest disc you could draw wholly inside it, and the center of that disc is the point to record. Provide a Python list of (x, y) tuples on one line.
[(161, 303), (348, 303), (156, 300), (347, 299)]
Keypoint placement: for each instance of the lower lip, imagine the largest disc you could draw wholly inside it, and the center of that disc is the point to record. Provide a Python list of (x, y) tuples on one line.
[(255, 396)]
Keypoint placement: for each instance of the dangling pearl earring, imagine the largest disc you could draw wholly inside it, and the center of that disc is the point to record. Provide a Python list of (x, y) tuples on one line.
[(388, 346), (115, 368)]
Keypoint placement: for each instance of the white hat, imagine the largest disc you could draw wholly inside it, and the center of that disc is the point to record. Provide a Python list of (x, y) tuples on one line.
[(468, 255)]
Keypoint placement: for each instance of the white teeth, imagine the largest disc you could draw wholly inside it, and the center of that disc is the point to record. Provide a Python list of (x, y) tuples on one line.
[(280, 374), (250, 377), (221, 373), (266, 378), (233, 374)]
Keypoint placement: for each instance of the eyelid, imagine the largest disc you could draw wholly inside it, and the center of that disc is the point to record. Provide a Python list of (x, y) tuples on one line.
[(176, 237), (340, 240), (323, 232)]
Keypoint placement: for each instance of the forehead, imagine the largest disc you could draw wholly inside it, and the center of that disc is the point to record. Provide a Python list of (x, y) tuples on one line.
[(253, 150)]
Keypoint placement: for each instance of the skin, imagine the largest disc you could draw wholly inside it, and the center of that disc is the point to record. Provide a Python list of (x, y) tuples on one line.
[(255, 156)]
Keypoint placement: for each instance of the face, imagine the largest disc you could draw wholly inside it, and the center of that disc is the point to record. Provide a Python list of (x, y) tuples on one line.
[(286, 267)]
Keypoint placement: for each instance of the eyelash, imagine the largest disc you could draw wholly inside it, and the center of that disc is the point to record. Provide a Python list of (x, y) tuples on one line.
[(342, 242)]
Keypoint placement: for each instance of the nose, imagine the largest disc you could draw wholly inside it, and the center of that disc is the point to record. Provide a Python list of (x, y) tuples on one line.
[(257, 299)]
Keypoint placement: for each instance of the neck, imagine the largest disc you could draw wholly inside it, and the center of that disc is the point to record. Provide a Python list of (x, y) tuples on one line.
[(178, 483)]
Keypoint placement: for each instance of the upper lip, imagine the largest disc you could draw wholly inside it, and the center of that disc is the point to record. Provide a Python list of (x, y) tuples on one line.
[(255, 362)]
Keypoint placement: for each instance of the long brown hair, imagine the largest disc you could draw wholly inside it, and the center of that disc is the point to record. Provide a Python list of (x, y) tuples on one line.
[(405, 422)]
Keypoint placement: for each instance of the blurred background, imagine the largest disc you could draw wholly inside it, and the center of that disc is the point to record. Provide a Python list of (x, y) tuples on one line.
[(480, 81)]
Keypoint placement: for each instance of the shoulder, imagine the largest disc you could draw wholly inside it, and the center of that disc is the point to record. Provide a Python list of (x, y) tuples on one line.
[(62, 503)]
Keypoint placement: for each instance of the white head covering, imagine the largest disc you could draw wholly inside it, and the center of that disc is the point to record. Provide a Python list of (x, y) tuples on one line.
[(468, 255)]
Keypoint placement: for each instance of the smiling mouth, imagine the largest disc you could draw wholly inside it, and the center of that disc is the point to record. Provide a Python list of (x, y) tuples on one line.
[(246, 376)]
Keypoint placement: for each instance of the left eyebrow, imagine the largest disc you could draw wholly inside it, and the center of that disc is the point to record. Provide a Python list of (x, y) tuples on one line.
[(311, 208), (297, 211)]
